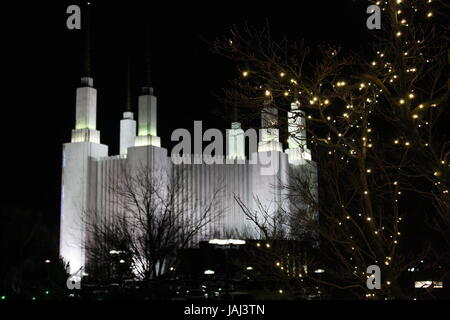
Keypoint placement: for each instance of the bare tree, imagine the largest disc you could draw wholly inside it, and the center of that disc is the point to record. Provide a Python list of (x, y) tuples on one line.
[(285, 250), (376, 125), (154, 219)]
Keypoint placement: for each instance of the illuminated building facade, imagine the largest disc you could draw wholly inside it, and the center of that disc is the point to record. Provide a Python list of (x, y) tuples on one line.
[(89, 172)]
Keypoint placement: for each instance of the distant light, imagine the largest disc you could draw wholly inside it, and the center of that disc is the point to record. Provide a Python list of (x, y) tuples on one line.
[(208, 272), (224, 242), (122, 261), (47, 292), (319, 271), (47, 261), (280, 291), (249, 268), (3, 297)]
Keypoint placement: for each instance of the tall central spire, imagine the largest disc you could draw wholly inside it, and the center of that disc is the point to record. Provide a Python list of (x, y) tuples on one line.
[(127, 124), (147, 135)]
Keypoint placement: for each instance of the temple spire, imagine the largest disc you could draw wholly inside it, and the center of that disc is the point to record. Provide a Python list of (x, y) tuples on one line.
[(127, 124), (269, 133), (147, 103), (298, 151)]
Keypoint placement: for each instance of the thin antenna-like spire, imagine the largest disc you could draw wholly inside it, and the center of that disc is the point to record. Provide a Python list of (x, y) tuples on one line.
[(128, 97), (148, 82), (87, 42), (147, 87)]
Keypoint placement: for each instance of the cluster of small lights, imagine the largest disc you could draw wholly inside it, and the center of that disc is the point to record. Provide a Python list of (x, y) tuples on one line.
[(350, 118)]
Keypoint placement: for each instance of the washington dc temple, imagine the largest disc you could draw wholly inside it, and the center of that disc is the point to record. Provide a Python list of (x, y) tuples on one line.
[(89, 172)]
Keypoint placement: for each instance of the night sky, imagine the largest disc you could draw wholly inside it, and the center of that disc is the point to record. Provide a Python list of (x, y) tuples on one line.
[(43, 66)]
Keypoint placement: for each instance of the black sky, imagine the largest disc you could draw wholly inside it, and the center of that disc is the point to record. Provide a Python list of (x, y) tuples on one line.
[(43, 67)]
